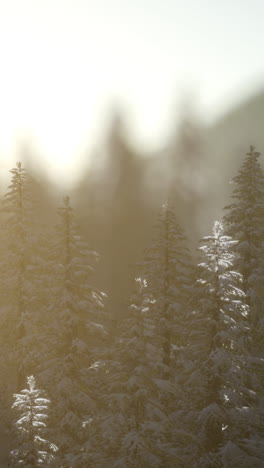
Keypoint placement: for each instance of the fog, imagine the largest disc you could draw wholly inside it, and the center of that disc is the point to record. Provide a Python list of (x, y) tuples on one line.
[(109, 111)]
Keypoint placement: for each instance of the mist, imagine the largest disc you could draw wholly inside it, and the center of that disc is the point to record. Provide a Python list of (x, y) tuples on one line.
[(121, 128)]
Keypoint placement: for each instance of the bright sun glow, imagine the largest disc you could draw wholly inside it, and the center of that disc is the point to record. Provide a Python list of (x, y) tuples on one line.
[(63, 63)]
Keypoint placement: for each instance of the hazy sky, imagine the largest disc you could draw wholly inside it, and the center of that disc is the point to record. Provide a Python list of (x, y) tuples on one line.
[(65, 62)]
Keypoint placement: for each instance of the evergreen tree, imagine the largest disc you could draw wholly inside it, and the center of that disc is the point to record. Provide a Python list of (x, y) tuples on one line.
[(220, 411), (34, 450), (73, 335), (244, 221), (168, 271), (20, 270), (135, 429), (22, 299)]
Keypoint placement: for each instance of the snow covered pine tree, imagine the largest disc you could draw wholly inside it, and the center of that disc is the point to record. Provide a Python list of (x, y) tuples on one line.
[(135, 429), (34, 450), (167, 268), (75, 331), (169, 274), (219, 406), (244, 221), (16, 262)]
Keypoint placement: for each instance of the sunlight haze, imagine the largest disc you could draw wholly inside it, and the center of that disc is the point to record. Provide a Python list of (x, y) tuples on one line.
[(65, 64)]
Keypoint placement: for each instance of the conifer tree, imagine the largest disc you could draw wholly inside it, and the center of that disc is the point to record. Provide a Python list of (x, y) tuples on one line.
[(19, 264), (220, 409), (134, 432), (22, 298), (244, 221), (169, 273), (74, 332), (167, 268), (34, 450)]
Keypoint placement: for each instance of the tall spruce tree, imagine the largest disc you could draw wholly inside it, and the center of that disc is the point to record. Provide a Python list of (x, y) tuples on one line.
[(168, 271), (22, 303), (19, 264), (73, 335), (220, 408), (245, 222), (136, 427), (169, 275)]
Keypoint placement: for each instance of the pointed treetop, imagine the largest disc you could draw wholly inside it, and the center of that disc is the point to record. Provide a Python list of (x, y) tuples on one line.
[(165, 207), (140, 283), (218, 228), (252, 152), (31, 382), (66, 200)]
